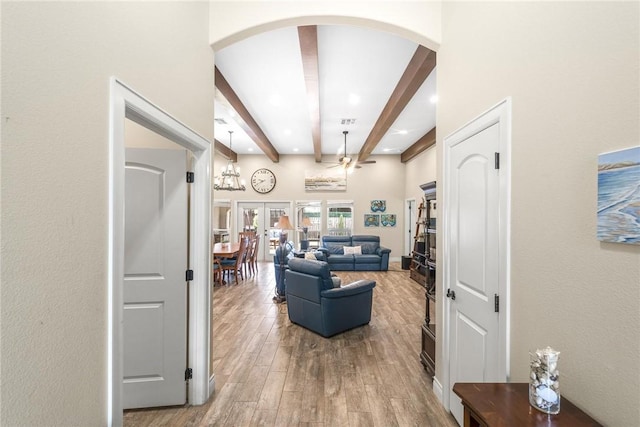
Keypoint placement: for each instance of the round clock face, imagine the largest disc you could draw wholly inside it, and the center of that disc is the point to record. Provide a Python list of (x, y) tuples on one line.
[(263, 180)]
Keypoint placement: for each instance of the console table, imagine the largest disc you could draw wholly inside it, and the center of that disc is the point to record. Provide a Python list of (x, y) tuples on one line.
[(507, 404)]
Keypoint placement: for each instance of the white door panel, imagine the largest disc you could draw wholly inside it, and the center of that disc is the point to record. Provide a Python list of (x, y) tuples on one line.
[(143, 228), (471, 340), (154, 286), (144, 333)]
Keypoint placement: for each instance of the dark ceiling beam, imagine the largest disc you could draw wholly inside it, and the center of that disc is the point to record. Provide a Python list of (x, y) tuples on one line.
[(247, 123), (308, 36), (419, 68), (225, 151), (427, 140)]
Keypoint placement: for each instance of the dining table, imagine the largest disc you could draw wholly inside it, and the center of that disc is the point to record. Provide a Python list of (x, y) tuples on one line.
[(225, 250)]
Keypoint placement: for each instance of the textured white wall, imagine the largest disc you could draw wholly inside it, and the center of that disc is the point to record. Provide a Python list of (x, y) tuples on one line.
[(57, 58), (383, 180), (420, 170), (234, 20), (573, 72)]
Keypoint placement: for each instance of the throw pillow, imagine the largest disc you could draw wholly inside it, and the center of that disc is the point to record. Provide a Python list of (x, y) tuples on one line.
[(310, 255), (357, 250), (349, 250), (336, 281)]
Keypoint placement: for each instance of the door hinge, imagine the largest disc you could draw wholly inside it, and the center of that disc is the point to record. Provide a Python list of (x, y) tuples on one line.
[(189, 275), (188, 374), (190, 177), (497, 160), (496, 303)]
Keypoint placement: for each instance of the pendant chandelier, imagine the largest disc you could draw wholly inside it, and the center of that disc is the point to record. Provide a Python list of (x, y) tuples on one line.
[(229, 179)]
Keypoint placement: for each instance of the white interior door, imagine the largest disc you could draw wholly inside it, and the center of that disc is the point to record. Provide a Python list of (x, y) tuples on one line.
[(475, 274), (263, 217), (154, 287)]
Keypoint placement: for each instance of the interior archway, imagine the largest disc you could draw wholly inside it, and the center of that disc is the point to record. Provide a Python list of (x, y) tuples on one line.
[(357, 21)]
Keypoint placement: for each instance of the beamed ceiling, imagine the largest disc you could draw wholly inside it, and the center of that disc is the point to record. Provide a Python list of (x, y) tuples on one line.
[(295, 90)]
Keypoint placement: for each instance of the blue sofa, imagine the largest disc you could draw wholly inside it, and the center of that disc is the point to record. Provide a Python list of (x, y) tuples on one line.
[(374, 257), (314, 303)]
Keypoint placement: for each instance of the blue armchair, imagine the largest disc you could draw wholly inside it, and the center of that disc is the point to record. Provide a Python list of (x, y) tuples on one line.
[(315, 304)]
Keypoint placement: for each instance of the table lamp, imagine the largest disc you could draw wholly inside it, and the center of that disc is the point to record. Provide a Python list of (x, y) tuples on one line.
[(284, 224), (304, 243)]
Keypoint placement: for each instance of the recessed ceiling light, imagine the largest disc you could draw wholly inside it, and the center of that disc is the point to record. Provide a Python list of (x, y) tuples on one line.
[(403, 132), (295, 150), (386, 150), (249, 149), (434, 99), (287, 131), (354, 99)]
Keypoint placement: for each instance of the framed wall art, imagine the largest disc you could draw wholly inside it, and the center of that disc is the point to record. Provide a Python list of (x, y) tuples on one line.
[(325, 180), (378, 205), (371, 220), (388, 220), (619, 196)]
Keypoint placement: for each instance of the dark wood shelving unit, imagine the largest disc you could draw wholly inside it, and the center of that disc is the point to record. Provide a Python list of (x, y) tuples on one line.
[(423, 270)]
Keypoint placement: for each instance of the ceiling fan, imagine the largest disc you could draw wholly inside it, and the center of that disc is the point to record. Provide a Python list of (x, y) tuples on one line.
[(348, 162)]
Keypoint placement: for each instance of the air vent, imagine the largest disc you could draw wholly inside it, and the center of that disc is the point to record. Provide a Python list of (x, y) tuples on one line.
[(347, 121), (220, 121)]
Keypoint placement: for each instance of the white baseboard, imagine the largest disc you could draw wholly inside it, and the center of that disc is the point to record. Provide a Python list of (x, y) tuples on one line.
[(437, 389)]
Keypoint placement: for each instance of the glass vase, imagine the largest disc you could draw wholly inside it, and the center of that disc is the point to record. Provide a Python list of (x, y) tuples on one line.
[(544, 381)]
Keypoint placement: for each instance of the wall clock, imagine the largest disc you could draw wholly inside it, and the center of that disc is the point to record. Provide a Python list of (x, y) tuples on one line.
[(263, 180)]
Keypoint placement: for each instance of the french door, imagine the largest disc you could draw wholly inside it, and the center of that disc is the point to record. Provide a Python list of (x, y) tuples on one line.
[(263, 218)]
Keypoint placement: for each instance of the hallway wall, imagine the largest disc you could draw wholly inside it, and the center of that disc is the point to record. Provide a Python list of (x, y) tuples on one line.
[(572, 70), (57, 58)]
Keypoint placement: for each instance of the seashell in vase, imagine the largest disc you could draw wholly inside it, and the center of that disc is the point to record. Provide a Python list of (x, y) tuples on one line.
[(544, 384)]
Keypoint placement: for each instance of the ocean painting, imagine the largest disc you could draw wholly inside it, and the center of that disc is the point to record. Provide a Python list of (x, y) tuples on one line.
[(619, 196)]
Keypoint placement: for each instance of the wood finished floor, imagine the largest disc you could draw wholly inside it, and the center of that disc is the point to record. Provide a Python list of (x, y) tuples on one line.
[(270, 372)]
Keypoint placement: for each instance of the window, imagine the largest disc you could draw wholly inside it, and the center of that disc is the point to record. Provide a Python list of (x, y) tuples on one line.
[(221, 220), (339, 218)]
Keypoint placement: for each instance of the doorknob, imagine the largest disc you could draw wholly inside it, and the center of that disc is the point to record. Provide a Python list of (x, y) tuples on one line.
[(451, 294)]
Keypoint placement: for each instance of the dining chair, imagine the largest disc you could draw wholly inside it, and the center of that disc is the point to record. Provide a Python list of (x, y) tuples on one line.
[(246, 261), (231, 265), (253, 262), (250, 234)]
